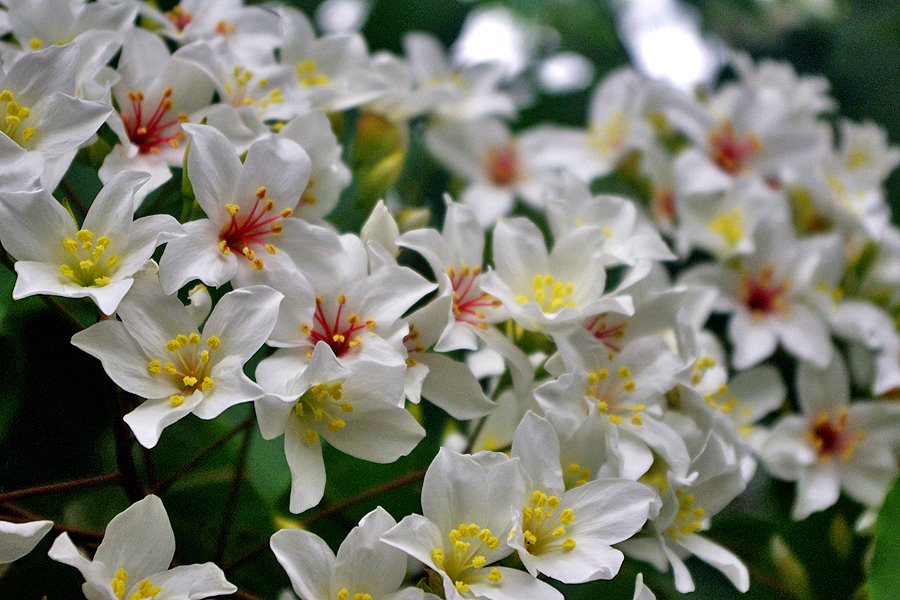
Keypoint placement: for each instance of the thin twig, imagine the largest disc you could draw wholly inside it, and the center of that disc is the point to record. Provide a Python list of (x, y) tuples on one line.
[(231, 501), (366, 496), (72, 195), (22, 515), (473, 437), (245, 595), (60, 487), (333, 510), (180, 471), (131, 481)]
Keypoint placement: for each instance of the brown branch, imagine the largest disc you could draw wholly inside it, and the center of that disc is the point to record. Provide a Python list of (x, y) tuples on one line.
[(131, 481), (180, 471), (390, 486), (245, 595), (22, 515), (60, 487), (231, 501)]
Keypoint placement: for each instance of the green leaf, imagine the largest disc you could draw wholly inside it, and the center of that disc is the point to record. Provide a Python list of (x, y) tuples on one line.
[(884, 582)]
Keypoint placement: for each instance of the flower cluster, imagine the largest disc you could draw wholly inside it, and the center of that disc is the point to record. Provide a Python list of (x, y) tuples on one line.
[(601, 415)]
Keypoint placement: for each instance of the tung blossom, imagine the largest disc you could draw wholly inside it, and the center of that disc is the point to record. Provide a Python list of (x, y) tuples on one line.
[(133, 560), (158, 352), (96, 260)]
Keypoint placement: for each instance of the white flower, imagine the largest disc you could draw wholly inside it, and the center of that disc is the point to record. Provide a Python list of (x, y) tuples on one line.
[(446, 383), (330, 401), (248, 30), (248, 206), (328, 175), (41, 114), (365, 568), (157, 351), (834, 444), (723, 223), (96, 28), (18, 539), (455, 255), (268, 89), (624, 389), (687, 505), (767, 292), (617, 124), (467, 92), (97, 260), (467, 515), (627, 235), (134, 557), (341, 303), (332, 70), (155, 94), (549, 290), (565, 533), (496, 165)]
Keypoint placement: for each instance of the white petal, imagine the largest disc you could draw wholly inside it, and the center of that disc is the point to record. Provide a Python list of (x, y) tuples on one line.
[(817, 489), (364, 562), (307, 467), (145, 520), (307, 560), (149, 419), (18, 539), (243, 319), (717, 556), (451, 386), (122, 359), (516, 585), (196, 256), (213, 167), (193, 582)]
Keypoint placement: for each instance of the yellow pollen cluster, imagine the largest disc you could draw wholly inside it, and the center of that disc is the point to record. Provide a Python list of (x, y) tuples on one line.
[(87, 266), (724, 402), (118, 582), (703, 364), (728, 225), (14, 115), (308, 74), (320, 402), (688, 519), (576, 475), (544, 529), (344, 594), (241, 93), (187, 365), (552, 295), (146, 589), (605, 392), (467, 542)]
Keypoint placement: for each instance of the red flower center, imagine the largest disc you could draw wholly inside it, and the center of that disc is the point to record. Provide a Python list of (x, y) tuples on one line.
[(502, 164), (762, 294), (730, 151), (342, 332), (148, 132), (469, 302), (609, 335), (252, 228), (831, 436)]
